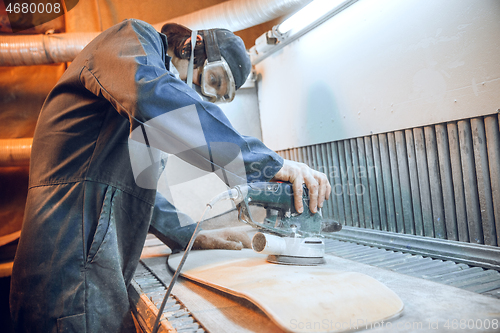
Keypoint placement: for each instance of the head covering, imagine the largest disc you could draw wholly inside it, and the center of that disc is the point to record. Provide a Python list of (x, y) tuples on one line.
[(231, 48)]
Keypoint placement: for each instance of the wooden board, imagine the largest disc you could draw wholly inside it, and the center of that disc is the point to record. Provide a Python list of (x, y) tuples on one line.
[(296, 298)]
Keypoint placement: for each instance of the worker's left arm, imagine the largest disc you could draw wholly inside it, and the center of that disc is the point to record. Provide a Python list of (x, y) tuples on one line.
[(174, 228)]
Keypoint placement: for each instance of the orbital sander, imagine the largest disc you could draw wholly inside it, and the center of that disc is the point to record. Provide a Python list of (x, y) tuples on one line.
[(285, 235)]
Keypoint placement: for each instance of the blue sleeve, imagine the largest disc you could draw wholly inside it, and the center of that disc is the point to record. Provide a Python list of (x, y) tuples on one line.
[(127, 67), (171, 226)]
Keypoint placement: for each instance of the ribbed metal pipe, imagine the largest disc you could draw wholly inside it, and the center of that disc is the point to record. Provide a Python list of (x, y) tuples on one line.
[(15, 152), (237, 14), (233, 15), (42, 49)]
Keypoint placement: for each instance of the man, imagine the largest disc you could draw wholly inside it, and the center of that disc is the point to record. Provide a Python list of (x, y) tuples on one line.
[(86, 214)]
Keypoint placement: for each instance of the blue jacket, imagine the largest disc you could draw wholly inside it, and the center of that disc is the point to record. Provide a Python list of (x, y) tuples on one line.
[(87, 214)]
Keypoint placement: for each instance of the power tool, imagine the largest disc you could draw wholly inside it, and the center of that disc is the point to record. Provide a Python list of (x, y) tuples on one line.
[(285, 235)]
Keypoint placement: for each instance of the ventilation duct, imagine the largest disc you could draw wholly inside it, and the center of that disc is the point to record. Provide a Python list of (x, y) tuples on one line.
[(15, 152), (42, 49), (237, 14), (233, 15)]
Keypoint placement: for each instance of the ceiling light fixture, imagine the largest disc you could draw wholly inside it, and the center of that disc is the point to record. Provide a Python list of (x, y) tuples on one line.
[(307, 15)]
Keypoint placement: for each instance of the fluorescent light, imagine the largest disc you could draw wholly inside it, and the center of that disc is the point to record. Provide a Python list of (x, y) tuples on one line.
[(308, 15)]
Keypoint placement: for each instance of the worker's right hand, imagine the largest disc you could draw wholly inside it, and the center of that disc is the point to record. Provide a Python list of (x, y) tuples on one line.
[(317, 183)]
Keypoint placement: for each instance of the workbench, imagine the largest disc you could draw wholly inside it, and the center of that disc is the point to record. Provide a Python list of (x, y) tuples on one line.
[(429, 306)]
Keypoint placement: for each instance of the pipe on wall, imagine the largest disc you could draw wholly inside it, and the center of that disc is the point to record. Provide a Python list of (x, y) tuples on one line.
[(15, 152), (237, 14), (54, 48), (42, 49)]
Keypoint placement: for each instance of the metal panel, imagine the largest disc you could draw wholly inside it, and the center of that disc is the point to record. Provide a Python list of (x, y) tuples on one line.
[(387, 179), (345, 183), (381, 257), (358, 189), (491, 124), (372, 181), (303, 154), (374, 254), (337, 191), (398, 205), (458, 182), (475, 279), (404, 174), (483, 181), (363, 175), (350, 179), (450, 217), (295, 154), (435, 183), (414, 183), (292, 154), (309, 157), (470, 183), (298, 152), (456, 275), (287, 154), (323, 167), (423, 182), (389, 261), (439, 181), (485, 287), (380, 183), (332, 201), (331, 210), (467, 253), (300, 155)]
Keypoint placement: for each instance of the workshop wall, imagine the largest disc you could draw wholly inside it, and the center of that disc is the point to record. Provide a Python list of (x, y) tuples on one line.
[(380, 66), (397, 101)]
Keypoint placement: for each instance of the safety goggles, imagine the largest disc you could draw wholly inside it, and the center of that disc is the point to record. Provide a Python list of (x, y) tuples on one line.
[(217, 81)]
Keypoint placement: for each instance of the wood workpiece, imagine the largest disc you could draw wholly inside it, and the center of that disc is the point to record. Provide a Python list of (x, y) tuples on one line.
[(429, 306), (296, 298)]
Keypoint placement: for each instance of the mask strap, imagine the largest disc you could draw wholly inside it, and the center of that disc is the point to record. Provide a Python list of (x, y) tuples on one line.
[(211, 46), (189, 80)]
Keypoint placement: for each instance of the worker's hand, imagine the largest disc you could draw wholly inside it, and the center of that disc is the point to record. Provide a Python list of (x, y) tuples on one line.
[(226, 239), (316, 182)]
